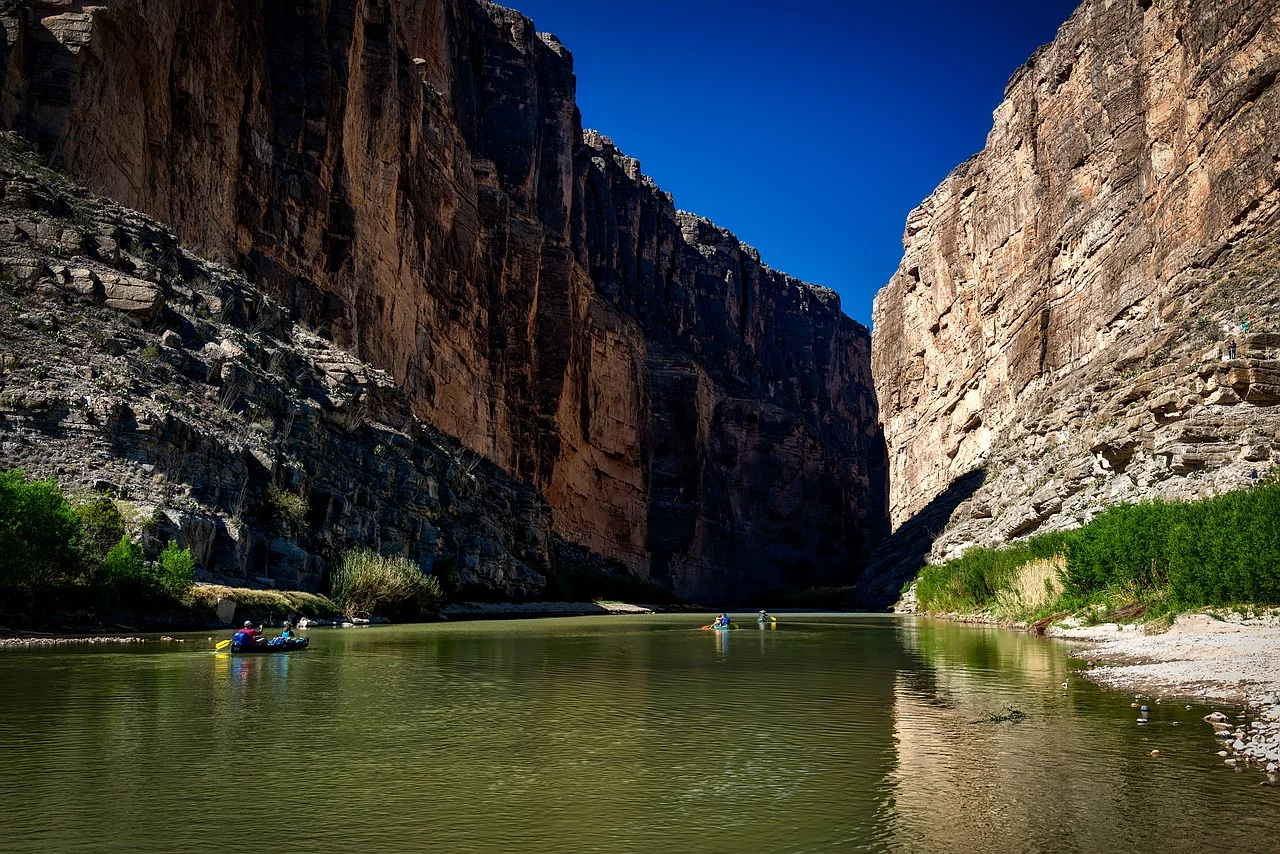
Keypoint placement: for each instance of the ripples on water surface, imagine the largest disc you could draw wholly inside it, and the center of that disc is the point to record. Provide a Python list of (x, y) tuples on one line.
[(610, 734)]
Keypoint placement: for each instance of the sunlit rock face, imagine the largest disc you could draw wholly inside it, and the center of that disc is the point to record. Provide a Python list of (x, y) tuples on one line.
[(413, 182), (1063, 308)]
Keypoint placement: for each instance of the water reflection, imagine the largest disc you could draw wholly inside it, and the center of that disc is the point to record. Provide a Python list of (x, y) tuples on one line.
[(1075, 775), (627, 734)]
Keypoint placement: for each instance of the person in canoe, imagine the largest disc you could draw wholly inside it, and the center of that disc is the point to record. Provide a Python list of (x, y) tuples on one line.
[(288, 634), (248, 636), (723, 621), (764, 616)]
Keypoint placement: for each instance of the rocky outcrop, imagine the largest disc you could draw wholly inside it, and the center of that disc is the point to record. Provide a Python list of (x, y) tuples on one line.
[(130, 367), (1061, 316), (412, 183)]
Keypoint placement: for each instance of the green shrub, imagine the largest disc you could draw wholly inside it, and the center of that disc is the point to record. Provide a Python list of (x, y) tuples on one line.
[(124, 570), (175, 571), (39, 536), (128, 580), (1155, 558), (366, 582), (1127, 545), (1227, 551), (288, 511), (101, 527)]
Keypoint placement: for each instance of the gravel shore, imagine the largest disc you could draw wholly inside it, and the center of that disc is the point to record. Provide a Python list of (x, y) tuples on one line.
[(1200, 656)]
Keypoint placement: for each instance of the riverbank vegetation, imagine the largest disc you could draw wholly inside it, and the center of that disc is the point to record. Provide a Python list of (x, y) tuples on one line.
[(1136, 561), (365, 582), (264, 605), (77, 557), (70, 559)]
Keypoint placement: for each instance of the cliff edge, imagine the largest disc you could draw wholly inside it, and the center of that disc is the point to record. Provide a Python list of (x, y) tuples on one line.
[(412, 183), (1058, 335)]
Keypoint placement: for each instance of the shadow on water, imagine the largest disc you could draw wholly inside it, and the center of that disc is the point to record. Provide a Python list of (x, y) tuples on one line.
[(900, 556)]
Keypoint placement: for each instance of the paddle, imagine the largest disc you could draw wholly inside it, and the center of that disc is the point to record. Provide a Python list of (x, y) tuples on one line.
[(222, 644)]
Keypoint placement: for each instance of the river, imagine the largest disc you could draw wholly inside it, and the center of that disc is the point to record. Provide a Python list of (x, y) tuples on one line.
[(606, 734)]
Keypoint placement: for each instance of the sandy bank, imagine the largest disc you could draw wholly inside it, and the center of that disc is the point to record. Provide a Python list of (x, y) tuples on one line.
[(1233, 660)]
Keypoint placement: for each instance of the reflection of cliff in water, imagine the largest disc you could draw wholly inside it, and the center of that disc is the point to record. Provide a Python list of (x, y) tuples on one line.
[(1075, 775)]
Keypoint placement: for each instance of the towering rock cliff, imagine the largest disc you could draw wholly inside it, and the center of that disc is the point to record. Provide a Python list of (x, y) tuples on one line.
[(411, 181), (1056, 335)]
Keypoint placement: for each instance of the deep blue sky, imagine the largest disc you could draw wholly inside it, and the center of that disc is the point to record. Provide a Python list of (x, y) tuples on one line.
[(808, 129)]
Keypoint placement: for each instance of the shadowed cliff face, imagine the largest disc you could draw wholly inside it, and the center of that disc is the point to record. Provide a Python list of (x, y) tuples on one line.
[(1062, 311), (413, 181)]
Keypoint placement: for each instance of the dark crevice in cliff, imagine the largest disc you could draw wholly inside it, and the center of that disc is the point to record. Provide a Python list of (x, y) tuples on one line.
[(899, 557)]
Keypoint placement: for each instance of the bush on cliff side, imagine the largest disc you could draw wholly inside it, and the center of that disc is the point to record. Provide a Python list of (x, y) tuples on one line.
[(175, 573), (1159, 557), (39, 537), (127, 579), (366, 582), (56, 555), (101, 527)]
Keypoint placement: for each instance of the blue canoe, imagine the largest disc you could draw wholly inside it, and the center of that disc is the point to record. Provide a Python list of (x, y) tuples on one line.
[(273, 645)]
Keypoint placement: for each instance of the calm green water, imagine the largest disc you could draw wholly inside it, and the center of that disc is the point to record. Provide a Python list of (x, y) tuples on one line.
[(611, 734)]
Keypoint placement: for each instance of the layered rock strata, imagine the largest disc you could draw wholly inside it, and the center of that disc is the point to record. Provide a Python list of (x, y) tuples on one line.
[(1061, 317), (133, 368), (411, 181)]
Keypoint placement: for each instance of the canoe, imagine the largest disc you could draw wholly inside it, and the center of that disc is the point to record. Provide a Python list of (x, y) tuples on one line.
[(723, 628), (273, 645)]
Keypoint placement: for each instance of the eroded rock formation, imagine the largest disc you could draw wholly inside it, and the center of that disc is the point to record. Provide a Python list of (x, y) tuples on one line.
[(1062, 313), (132, 368), (411, 181)]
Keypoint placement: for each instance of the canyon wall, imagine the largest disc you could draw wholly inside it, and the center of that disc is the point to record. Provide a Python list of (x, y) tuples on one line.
[(412, 183), (1056, 337), (131, 368)]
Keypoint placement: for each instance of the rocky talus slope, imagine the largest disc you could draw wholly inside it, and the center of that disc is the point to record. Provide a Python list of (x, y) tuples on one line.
[(1055, 339), (131, 367), (411, 182)]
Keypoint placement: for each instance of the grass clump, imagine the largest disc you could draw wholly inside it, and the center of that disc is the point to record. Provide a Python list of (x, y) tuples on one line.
[(265, 604), (1134, 561), (973, 581), (366, 582), (1006, 715)]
